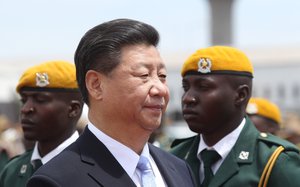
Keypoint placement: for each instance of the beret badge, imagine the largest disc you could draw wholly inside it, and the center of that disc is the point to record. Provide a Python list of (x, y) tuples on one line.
[(204, 65), (252, 108), (42, 79)]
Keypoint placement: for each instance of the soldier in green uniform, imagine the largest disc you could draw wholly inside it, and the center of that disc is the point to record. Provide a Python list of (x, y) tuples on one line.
[(228, 150), (3, 158), (51, 108)]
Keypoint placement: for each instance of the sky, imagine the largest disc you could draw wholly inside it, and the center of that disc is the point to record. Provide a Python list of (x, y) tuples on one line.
[(44, 27), (34, 31), (40, 27)]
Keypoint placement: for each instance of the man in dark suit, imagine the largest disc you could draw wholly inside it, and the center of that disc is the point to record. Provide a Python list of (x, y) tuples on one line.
[(122, 79), (228, 150)]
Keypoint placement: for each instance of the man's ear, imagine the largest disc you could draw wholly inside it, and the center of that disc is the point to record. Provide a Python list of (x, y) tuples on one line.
[(75, 108), (242, 95), (93, 81)]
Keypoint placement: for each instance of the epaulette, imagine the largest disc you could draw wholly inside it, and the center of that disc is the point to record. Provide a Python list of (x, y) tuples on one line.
[(274, 140)]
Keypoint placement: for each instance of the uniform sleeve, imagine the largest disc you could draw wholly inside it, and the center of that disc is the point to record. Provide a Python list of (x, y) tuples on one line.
[(6, 174), (286, 171), (2, 174)]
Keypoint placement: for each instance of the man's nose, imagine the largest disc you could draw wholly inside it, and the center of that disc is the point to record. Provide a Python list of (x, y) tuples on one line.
[(27, 107), (188, 98), (159, 88)]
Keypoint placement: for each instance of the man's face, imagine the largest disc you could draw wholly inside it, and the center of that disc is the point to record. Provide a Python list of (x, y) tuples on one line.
[(44, 116), (135, 93), (207, 102)]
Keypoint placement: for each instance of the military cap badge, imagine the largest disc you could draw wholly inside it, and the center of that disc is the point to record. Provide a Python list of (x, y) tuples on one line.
[(42, 79), (204, 65), (252, 108)]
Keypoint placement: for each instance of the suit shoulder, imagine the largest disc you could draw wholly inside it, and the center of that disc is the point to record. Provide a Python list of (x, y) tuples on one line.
[(166, 160), (272, 140), (160, 153)]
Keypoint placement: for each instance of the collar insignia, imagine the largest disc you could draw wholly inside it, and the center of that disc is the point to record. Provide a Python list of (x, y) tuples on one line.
[(42, 79), (244, 155), (204, 65), (23, 169)]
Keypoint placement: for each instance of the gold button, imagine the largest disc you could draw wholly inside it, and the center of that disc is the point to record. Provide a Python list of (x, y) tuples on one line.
[(264, 135)]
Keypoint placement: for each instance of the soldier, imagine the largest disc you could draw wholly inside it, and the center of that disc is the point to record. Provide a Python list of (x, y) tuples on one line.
[(264, 114), (228, 150), (52, 105)]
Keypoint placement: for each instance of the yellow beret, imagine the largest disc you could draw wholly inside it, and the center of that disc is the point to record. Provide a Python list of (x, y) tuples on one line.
[(218, 60), (49, 76), (265, 108)]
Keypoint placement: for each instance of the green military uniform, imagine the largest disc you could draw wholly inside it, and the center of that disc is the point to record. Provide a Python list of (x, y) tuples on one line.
[(245, 163), (18, 171), (3, 159)]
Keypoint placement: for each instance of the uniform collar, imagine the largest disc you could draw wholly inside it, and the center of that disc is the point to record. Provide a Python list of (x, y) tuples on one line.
[(223, 146), (36, 155)]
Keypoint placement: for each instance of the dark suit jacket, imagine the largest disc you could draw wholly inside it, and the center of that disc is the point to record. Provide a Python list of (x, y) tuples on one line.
[(245, 162), (88, 163)]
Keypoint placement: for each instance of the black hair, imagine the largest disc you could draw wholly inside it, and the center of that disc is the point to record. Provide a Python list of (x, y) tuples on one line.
[(100, 48)]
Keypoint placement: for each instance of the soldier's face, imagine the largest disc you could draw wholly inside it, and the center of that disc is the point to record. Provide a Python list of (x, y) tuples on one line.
[(208, 103), (44, 116)]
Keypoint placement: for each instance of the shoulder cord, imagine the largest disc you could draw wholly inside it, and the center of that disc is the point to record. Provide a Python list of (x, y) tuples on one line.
[(268, 168)]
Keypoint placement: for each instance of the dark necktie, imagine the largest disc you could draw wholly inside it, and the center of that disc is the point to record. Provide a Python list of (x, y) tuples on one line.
[(209, 157), (36, 164), (147, 175)]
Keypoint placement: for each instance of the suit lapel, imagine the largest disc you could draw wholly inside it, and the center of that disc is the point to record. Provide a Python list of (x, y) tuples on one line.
[(242, 153), (101, 165), (167, 169)]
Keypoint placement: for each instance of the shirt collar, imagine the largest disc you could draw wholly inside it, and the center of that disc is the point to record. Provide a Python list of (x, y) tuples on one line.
[(126, 157), (223, 146), (54, 152)]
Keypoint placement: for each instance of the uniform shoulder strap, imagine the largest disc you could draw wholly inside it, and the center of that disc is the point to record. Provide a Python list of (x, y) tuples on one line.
[(269, 166)]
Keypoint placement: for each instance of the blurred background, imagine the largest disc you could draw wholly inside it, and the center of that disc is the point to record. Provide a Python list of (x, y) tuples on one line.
[(268, 31)]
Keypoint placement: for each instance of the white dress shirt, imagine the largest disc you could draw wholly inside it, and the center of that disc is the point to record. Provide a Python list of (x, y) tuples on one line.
[(127, 158), (222, 147), (54, 152)]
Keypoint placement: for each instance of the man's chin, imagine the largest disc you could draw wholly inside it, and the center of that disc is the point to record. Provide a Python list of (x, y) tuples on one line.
[(152, 127), (196, 128)]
